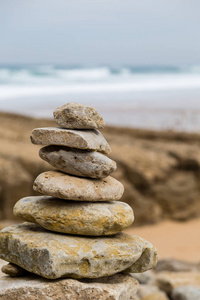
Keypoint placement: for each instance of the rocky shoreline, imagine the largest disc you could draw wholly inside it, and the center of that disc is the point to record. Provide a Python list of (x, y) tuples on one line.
[(160, 170)]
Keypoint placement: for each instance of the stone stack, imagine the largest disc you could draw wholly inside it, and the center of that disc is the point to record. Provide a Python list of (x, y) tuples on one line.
[(74, 229)]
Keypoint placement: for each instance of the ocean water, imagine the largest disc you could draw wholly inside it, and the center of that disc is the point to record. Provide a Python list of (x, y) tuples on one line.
[(142, 97)]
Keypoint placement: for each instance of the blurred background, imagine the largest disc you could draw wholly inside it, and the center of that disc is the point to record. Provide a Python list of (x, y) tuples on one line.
[(137, 61), (138, 64)]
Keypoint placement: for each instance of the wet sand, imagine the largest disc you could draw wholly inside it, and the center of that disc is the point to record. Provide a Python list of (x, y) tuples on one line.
[(173, 239)]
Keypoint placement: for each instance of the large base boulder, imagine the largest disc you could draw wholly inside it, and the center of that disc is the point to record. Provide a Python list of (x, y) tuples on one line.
[(53, 255), (116, 287)]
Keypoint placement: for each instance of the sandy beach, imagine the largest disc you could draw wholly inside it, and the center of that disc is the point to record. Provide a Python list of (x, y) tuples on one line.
[(173, 239)]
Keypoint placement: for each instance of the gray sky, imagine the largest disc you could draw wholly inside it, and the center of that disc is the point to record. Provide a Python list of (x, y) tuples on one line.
[(98, 31)]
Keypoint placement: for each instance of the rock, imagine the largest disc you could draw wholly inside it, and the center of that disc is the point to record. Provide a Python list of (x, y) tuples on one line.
[(145, 277), (142, 204), (81, 139), (187, 155), (85, 218), (147, 259), (156, 296), (68, 187), (119, 286), (13, 270), (167, 281), (14, 182), (150, 292), (175, 265), (2, 263), (78, 162), (53, 255), (186, 293), (78, 116), (145, 163), (19, 161), (183, 188)]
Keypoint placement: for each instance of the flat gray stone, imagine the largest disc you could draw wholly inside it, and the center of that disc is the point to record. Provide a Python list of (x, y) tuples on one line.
[(78, 162), (176, 265), (53, 255), (145, 278), (90, 139), (168, 281), (61, 185), (83, 218), (187, 292), (78, 116), (119, 286)]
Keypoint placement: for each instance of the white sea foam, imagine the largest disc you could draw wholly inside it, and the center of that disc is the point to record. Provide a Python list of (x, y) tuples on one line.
[(131, 96), (135, 83)]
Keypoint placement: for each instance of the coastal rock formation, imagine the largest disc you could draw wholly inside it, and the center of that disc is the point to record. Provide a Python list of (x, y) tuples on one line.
[(151, 161)]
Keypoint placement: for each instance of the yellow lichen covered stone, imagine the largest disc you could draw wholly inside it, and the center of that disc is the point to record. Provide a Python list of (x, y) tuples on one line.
[(54, 255), (85, 218)]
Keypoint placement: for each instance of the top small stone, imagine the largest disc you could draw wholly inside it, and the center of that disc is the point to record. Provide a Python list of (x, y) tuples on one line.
[(78, 116)]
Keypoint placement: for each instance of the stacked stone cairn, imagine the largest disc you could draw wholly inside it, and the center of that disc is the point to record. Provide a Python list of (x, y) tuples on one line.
[(74, 229)]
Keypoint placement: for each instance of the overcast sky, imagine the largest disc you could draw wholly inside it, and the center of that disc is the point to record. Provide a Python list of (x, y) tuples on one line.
[(93, 32)]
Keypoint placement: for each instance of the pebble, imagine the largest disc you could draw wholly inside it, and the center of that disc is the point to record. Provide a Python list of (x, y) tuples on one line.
[(61, 185), (78, 162), (78, 116), (13, 270), (80, 139), (187, 292)]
